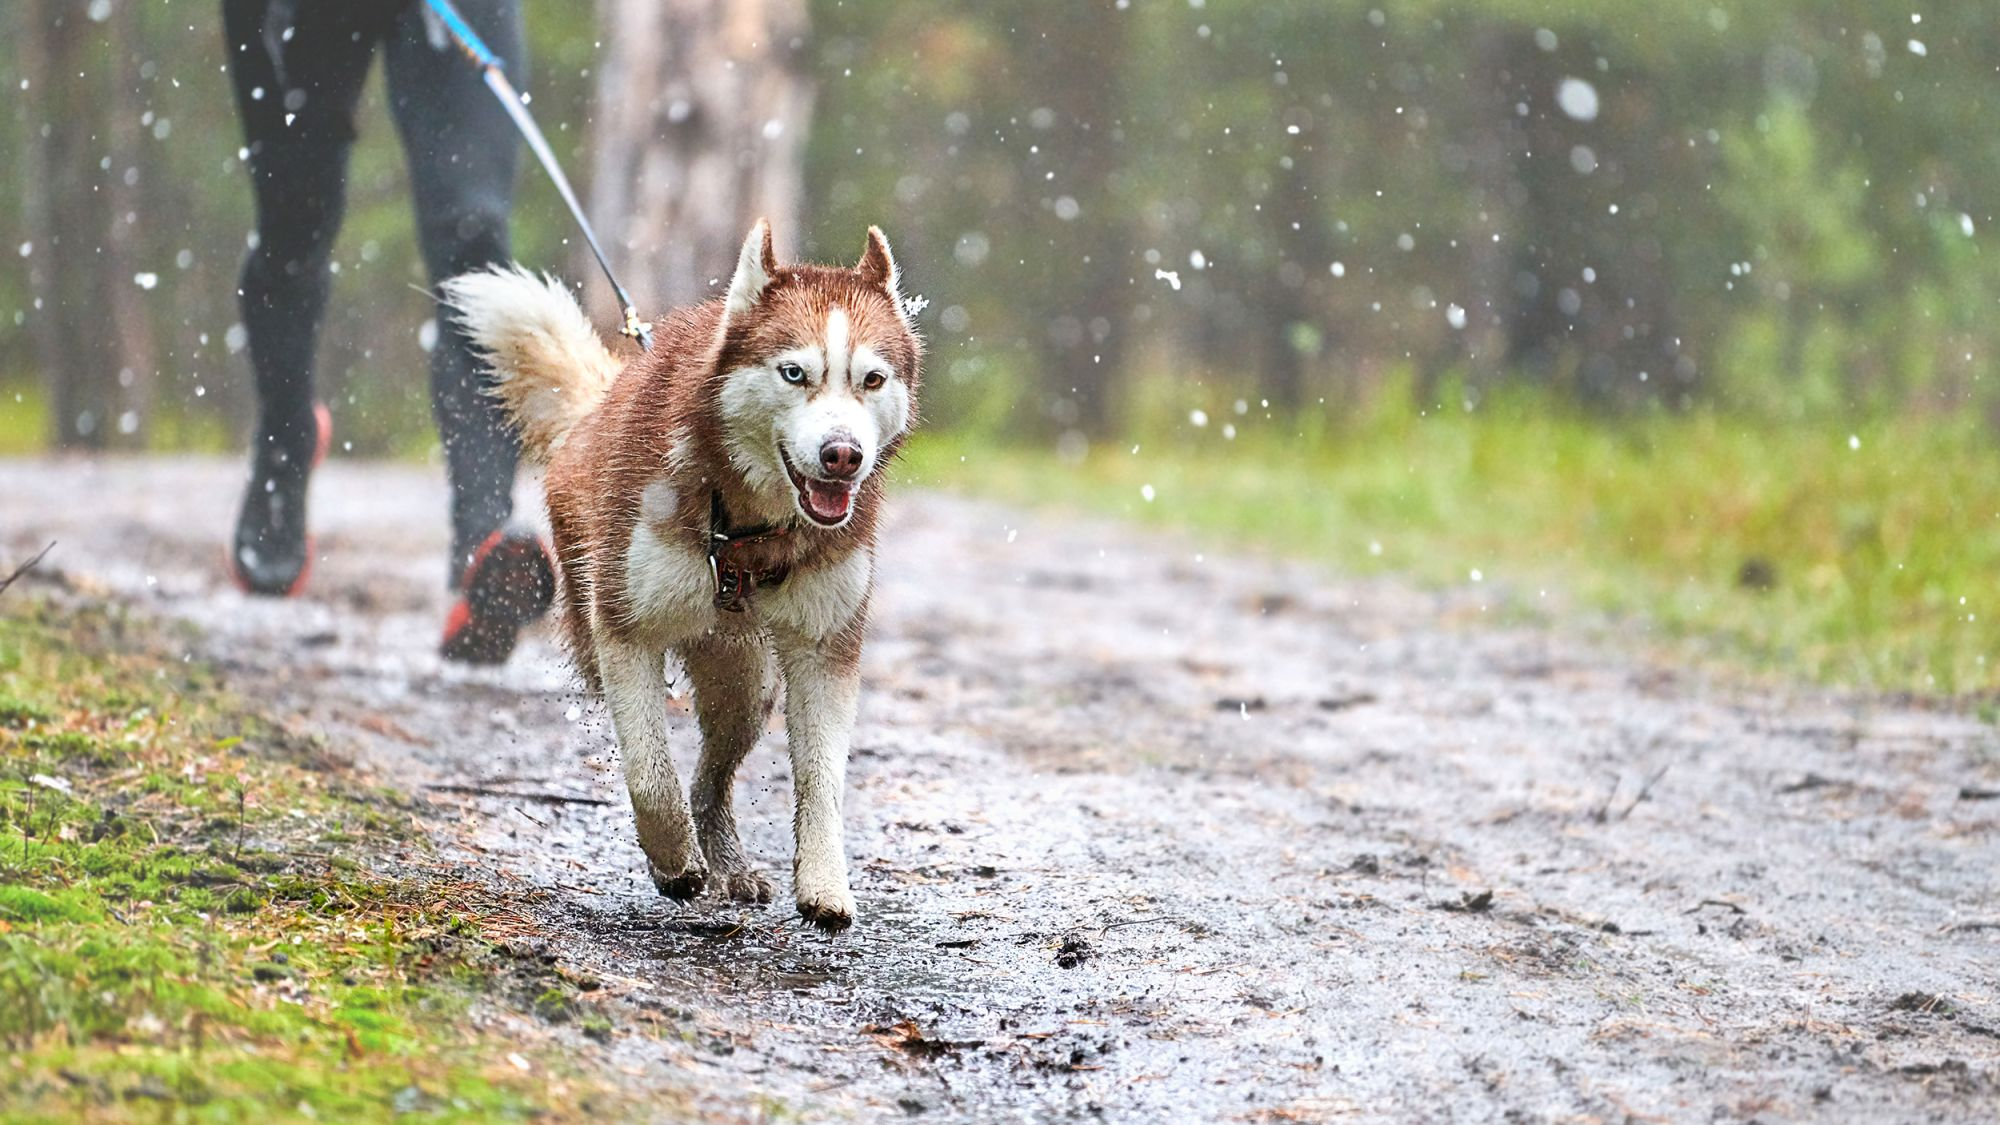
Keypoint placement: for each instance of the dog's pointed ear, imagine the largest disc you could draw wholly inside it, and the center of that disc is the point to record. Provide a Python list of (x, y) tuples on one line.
[(754, 269), (878, 266)]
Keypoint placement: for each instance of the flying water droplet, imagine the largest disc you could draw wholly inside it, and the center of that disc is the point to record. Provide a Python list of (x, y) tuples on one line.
[(1577, 98)]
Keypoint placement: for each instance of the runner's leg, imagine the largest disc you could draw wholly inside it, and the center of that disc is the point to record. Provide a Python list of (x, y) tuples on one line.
[(463, 155), (298, 124)]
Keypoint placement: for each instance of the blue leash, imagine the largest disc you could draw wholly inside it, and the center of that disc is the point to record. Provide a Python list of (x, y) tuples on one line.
[(494, 71)]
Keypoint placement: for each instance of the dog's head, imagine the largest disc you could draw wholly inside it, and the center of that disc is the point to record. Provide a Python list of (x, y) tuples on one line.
[(819, 370)]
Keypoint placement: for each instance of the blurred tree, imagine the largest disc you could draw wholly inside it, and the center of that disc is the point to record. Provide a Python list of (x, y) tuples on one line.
[(81, 215), (1489, 150), (1120, 212), (1071, 212), (1591, 310), (131, 321), (701, 129), (1813, 256)]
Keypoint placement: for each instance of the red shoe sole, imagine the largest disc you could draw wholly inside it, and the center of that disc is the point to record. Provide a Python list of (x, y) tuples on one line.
[(485, 622), (292, 591)]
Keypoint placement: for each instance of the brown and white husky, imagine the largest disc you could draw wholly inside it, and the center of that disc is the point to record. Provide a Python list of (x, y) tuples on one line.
[(716, 499)]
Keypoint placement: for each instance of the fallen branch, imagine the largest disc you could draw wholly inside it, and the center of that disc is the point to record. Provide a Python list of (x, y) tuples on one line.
[(26, 566), (485, 791), (1708, 902), (1109, 926), (1645, 791)]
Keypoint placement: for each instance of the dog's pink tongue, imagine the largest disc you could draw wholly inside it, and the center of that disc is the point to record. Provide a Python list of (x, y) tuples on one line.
[(828, 500)]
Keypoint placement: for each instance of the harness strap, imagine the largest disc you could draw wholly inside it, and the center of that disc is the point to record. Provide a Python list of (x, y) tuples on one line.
[(738, 577)]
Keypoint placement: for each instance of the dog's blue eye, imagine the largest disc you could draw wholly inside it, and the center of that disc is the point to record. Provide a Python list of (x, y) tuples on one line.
[(791, 373)]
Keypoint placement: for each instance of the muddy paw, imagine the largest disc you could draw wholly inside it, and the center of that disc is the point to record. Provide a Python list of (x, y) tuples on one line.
[(744, 886), (682, 887), (829, 912)]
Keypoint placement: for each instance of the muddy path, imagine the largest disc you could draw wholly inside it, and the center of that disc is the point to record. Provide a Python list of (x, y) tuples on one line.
[(1143, 835)]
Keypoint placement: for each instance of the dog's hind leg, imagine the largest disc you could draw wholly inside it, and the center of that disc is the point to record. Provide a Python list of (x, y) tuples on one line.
[(635, 685), (731, 675), (822, 681)]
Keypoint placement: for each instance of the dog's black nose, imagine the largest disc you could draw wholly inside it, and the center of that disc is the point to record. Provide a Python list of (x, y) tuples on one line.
[(840, 457)]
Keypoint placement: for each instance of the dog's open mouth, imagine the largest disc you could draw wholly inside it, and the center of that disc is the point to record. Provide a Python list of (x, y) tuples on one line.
[(825, 502)]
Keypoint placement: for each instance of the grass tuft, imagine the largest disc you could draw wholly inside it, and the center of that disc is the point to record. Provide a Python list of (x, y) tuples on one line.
[(1854, 555)]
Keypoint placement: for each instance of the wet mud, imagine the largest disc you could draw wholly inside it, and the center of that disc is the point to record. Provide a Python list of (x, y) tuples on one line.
[(1140, 834)]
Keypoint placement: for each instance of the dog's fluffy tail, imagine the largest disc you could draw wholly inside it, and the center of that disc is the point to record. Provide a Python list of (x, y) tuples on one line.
[(550, 367)]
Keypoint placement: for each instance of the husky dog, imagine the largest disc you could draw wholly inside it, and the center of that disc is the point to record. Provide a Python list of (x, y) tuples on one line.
[(716, 499)]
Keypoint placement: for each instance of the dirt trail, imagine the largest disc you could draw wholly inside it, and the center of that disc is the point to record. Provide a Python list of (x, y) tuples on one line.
[(1143, 836)]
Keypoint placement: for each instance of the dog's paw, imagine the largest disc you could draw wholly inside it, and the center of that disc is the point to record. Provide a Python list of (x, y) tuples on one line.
[(682, 887), (744, 886), (830, 912)]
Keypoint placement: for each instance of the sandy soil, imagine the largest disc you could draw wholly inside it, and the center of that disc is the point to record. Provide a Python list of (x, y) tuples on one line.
[(1140, 835)]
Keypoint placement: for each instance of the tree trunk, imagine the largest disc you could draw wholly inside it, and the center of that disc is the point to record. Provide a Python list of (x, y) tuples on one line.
[(1087, 296), (700, 130), (1292, 294), (135, 360), (58, 203), (1493, 147), (90, 325)]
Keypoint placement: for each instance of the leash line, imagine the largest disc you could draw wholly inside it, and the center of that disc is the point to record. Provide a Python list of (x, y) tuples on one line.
[(493, 70)]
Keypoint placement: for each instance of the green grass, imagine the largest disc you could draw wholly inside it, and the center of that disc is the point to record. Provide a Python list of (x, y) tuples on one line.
[(23, 419), (1854, 555), (25, 425), (183, 934)]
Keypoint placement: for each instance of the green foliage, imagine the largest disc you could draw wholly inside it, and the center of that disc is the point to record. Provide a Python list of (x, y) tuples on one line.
[(1037, 162), (1421, 147)]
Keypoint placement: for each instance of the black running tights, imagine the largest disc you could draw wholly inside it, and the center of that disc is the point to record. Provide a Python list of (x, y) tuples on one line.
[(298, 68)]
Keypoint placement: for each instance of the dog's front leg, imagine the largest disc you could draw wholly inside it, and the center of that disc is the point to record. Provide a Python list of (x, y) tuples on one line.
[(635, 684), (822, 681), (733, 690)]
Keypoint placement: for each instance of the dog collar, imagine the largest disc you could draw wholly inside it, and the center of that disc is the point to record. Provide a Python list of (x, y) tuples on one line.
[(733, 557)]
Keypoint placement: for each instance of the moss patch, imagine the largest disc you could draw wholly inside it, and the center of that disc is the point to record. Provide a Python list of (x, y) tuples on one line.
[(188, 923)]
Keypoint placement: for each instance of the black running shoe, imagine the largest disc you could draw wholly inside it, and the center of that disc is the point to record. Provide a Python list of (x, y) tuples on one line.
[(510, 581), (272, 554)]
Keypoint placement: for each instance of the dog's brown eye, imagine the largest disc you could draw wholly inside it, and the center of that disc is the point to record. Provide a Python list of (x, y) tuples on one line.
[(791, 373), (874, 380)]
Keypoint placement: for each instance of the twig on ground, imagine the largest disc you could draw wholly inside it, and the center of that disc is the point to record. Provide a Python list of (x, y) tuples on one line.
[(484, 791), (242, 807), (1645, 790), (1132, 922), (1602, 813), (26, 567), (1730, 906)]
